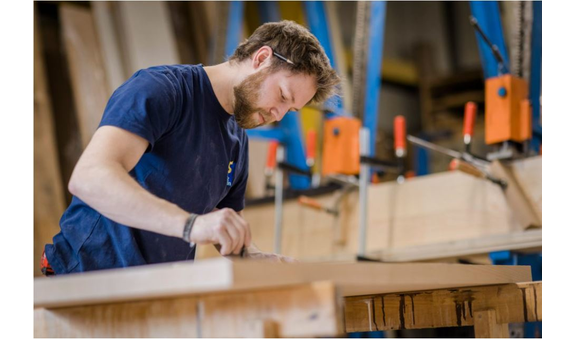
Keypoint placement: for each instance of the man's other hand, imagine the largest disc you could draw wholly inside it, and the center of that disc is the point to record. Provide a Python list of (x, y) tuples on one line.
[(224, 226)]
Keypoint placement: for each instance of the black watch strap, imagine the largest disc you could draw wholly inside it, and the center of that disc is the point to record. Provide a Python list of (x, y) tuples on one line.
[(188, 227)]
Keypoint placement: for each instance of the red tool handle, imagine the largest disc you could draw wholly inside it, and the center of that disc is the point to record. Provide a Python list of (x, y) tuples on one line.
[(310, 202), (453, 164), (272, 149), (310, 144), (410, 174), (469, 119), (399, 134), (460, 165)]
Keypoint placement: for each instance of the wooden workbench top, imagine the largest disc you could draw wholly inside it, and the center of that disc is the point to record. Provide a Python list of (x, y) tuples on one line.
[(222, 275)]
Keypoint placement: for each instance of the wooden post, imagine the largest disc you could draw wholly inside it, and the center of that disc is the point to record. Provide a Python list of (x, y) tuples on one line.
[(486, 325)]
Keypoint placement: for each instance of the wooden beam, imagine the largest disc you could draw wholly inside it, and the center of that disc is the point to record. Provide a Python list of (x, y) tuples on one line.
[(339, 52), (154, 318), (520, 302), (528, 173), (523, 210), (89, 83), (265, 329), (48, 190), (530, 240), (222, 275), (146, 35), (105, 22), (69, 142), (201, 30), (469, 208), (308, 310), (486, 325), (471, 216)]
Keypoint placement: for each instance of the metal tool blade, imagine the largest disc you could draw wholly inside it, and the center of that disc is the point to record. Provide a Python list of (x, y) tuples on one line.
[(434, 147)]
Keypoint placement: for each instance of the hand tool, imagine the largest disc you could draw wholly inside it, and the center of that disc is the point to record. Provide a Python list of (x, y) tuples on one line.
[(399, 145), (457, 164), (469, 124), (243, 253)]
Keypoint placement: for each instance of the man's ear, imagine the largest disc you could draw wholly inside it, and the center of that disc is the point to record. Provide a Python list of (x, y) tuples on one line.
[(262, 57)]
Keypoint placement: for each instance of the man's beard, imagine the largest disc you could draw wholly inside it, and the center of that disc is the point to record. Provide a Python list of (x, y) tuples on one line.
[(246, 93)]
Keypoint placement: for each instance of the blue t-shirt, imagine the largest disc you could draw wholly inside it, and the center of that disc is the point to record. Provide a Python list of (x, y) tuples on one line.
[(197, 158)]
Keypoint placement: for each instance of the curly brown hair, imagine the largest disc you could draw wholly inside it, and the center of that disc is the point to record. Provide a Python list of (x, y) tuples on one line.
[(297, 44)]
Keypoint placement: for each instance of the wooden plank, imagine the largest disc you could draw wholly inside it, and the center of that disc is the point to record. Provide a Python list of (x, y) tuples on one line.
[(523, 211), (486, 325), (155, 318), (69, 142), (89, 84), (220, 274), (471, 215), (201, 30), (520, 302), (339, 52), (219, 36), (307, 232), (48, 190), (528, 173), (308, 310), (266, 329), (183, 32), (105, 23), (131, 284), (522, 240), (468, 208), (146, 35)]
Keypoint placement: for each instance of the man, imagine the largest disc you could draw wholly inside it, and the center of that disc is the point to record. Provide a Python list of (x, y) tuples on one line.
[(168, 165)]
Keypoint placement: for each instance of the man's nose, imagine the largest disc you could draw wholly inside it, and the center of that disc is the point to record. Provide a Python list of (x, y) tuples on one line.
[(280, 112)]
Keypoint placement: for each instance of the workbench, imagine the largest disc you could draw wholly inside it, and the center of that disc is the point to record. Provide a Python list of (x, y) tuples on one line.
[(221, 298)]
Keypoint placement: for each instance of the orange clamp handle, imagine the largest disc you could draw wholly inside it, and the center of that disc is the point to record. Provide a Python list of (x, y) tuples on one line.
[(453, 164), (310, 202), (469, 118), (272, 149), (399, 132), (310, 144), (410, 174)]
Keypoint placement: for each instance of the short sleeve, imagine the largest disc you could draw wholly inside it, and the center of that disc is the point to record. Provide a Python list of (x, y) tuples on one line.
[(147, 105)]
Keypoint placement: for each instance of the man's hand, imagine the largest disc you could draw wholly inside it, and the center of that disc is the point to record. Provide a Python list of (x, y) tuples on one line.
[(225, 227)]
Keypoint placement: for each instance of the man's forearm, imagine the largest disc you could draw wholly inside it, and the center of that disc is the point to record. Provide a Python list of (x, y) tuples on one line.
[(111, 191)]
